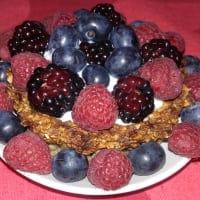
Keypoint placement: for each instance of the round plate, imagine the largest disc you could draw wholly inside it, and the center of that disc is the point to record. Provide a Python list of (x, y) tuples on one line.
[(173, 164)]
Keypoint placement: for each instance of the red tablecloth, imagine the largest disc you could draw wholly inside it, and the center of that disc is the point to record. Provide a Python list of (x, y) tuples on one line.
[(173, 15)]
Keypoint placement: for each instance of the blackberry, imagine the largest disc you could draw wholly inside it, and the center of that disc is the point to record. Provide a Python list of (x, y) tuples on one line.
[(29, 36), (135, 98), (108, 11), (53, 90), (98, 52), (157, 48)]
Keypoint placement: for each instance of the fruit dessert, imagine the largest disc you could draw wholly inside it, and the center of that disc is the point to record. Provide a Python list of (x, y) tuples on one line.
[(89, 95)]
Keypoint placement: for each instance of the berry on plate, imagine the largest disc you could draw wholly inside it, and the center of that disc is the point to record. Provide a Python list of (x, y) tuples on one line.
[(95, 108), (4, 51), (134, 97), (191, 113), (10, 125), (69, 166), (59, 18), (147, 159), (164, 76), (23, 66), (159, 48), (53, 90), (146, 31), (185, 140), (110, 169), (5, 102), (29, 36), (193, 83), (28, 152), (176, 40)]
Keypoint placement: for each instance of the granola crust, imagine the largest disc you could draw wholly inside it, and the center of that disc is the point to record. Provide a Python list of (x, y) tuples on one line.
[(67, 134)]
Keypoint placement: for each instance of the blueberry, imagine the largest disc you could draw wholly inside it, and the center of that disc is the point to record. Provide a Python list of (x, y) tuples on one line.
[(93, 27), (192, 64), (70, 58), (64, 36), (96, 74), (69, 166), (9, 126), (136, 23), (191, 113), (81, 12), (147, 159), (123, 61), (3, 71), (123, 36)]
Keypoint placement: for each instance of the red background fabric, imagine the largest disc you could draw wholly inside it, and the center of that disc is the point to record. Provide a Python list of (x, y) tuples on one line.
[(182, 16)]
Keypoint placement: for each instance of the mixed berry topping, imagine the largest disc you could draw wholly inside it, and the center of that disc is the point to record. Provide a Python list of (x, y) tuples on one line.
[(53, 90), (134, 97), (28, 36), (100, 46)]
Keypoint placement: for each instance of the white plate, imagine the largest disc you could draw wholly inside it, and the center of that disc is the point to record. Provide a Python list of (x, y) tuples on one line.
[(173, 164)]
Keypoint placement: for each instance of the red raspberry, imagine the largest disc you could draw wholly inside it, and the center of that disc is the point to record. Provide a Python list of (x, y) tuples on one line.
[(23, 66), (147, 31), (57, 19), (176, 40), (193, 83), (5, 102), (4, 51), (95, 108), (28, 152), (185, 140), (110, 169), (164, 76)]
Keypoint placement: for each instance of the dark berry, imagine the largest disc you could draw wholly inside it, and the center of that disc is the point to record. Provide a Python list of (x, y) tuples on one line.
[(123, 36), (10, 125), (29, 36), (134, 97), (3, 71), (93, 27), (69, 166), (108, 10), (96, 74), (53, 90), (147, 159), (123, 62), (98, 52), (157, 48)]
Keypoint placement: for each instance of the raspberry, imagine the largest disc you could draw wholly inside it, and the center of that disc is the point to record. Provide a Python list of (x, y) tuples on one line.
[(185, 140), (4, 51), (53, 90), (193, 83), (164, 76), (110, 169), (176, 40), (95, 108), (134, 98), (57, 19), (5, 102), (23, 65), (28, 152), (147, 31)]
